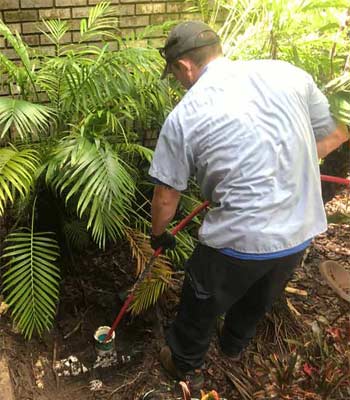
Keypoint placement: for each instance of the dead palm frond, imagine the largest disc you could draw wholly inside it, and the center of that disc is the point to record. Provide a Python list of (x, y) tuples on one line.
[(156, 281)]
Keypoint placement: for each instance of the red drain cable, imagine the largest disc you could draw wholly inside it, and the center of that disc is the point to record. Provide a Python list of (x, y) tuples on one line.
[(335, 179), (181, 225), (129, 299)]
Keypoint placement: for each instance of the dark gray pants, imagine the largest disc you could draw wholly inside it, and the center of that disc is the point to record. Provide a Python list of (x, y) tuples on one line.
[(216, 284)]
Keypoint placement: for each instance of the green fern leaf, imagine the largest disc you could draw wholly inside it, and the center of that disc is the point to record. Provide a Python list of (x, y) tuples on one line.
[(31, 281)]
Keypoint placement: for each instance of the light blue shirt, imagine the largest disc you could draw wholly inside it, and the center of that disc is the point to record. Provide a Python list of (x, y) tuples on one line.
[(247, 130)]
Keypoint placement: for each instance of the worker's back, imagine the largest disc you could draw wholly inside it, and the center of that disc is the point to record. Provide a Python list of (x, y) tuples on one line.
[(247, 130)]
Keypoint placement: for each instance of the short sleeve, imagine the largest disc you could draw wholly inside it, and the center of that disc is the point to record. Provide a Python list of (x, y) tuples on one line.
[(320, 115), (172, 162)]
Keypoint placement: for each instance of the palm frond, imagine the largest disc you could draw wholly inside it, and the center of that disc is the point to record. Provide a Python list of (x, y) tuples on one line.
[(93, 174), (148, 292), (338, 91), (56, 30), (32, 279), (101, 22), (17, 168), (76, 233), (21, 49), (203, 7), (134, 148), (23, 119)]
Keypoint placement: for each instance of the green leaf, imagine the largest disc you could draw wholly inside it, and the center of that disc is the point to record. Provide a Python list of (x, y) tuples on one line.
[(17, 170), (23, 119), (31, 284)]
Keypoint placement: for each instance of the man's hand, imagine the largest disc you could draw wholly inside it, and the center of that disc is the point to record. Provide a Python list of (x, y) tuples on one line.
[(166, 240)]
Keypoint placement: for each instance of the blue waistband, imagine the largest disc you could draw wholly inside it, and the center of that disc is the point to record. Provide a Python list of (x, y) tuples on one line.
[(265, 256)]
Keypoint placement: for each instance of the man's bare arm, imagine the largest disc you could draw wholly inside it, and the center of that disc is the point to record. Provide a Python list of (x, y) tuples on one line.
[(164, 204), (332, 141)]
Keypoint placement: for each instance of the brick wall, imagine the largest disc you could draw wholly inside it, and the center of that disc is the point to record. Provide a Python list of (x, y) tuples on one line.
[(24, 16)]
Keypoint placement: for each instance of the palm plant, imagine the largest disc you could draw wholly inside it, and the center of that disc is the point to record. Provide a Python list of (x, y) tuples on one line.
[(83, 145)]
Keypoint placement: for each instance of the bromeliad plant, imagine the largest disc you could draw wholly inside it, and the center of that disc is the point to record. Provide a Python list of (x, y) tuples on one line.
[(81, 145)]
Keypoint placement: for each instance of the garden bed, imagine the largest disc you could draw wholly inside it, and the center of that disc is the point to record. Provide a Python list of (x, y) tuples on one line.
[(92, 296)]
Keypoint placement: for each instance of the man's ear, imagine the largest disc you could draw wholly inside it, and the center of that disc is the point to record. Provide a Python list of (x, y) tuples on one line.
[(189, 69), (184, 65)]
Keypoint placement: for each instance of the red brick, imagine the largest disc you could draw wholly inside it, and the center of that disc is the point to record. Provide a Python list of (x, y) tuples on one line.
[(156, 42), (126, 32), (74, 24), (31, 27), (94, 2), (132, 1), (15, 28), (18, 16), (55, 13), (127, 22), (150, 8), (67, 38), (73, 3), (46, 50), (9, 4), (125, 9), (36, 3), (160, 18), (154, 33), (32, 40), (175, 7), (80, 12), (10, 54)]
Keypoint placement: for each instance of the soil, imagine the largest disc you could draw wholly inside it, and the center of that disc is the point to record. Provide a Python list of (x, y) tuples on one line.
[(93, 293)]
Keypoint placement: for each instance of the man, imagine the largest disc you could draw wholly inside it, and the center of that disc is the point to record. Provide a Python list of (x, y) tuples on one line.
[(252, 133)]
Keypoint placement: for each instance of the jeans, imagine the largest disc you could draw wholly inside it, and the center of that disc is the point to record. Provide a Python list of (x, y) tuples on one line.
[(216, 284)]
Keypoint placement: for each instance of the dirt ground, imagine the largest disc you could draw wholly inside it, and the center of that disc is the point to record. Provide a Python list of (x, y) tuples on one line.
[(91, 297)]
